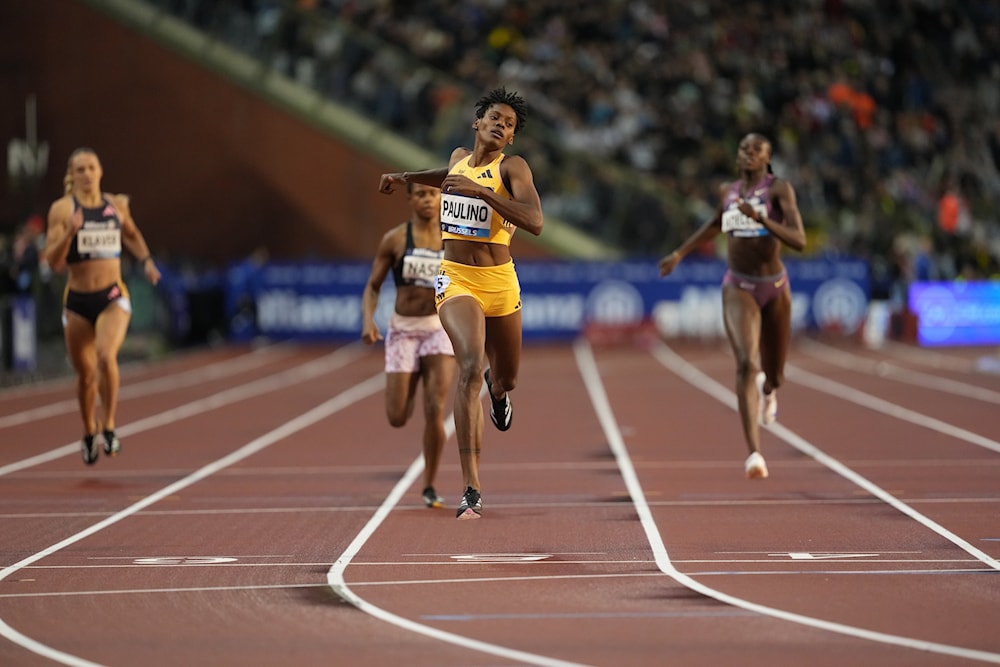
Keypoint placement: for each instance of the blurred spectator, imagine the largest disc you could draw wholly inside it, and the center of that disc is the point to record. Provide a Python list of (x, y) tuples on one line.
[(25, 254), (641, 103), (952, 228)]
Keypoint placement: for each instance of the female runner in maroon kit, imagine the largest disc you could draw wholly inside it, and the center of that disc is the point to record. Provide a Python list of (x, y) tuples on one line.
[(760, 214)]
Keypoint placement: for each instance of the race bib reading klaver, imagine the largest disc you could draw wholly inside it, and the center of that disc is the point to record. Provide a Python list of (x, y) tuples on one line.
[(99, 241)]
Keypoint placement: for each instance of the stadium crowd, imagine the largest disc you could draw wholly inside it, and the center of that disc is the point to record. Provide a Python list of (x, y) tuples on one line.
[(885, 115)]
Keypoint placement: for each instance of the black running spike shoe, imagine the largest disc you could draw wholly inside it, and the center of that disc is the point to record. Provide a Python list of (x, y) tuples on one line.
[(501, 411), (88, 447), (471, 506), (431, 498), (112, 445)]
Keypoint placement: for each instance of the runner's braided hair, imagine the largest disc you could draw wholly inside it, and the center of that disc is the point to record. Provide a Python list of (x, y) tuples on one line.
[(501, 96)]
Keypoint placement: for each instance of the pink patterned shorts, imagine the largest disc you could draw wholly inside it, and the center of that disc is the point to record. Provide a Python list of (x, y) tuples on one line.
[(410, 338)]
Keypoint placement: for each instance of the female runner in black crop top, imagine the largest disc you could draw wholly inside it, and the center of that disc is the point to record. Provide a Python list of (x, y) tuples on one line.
[(86, 231)]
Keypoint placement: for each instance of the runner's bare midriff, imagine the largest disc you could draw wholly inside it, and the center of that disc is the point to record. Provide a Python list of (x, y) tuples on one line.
[(475, 253), (99, 273)]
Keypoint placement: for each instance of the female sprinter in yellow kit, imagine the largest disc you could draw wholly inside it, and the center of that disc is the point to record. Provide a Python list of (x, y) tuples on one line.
[(485, 196)]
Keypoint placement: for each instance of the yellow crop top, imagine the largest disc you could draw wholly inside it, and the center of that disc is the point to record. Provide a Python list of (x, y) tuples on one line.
[(471, 218)]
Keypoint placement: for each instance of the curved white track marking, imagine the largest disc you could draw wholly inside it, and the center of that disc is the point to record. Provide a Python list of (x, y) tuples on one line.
[(599, 398), (147, 387), (851, 362), (308, 370), (307, 419), (820, 383), (335, 579)]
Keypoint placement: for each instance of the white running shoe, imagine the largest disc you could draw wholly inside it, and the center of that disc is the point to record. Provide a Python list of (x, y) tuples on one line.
[(756, 467), (767, 403)]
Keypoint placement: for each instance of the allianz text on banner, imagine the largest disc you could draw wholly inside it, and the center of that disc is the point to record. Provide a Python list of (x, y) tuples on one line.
[(560, 299)]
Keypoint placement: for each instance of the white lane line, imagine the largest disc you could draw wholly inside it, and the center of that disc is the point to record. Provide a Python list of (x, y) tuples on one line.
[(180, 589), (677, 364), (806, 563), (187, 378), (282, 471), (884, 369), (877, 404), (602, 406), (928, 358), (306, 371), (627, 575), (392, 583), (278, 471), (307, 419), (335, 579), (419, 507)]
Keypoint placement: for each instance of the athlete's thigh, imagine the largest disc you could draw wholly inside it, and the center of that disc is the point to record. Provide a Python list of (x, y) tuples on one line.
[(776, 331), (110, 330), (462, 317), (80, 337), (742, 320), (437, 372), (399, 391), (503, 345)]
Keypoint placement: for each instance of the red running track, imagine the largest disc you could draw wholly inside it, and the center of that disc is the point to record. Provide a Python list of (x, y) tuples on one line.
[(263, 512)]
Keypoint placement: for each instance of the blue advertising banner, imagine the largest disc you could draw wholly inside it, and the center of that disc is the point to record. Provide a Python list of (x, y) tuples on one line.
[(307, 301), (563, 298), (956, 313), (313, 301)]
